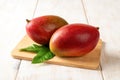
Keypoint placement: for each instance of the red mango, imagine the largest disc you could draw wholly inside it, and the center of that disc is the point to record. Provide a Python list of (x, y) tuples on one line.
[(74, 40)]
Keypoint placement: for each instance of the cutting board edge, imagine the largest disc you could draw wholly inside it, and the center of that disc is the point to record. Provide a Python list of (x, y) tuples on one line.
[(76, 66), (55, 63)]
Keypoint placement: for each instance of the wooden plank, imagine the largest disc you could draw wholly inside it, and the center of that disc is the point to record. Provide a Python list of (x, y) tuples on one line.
[(105, 14), (45, 71), (73, 12), (12, 21), (90, 61)]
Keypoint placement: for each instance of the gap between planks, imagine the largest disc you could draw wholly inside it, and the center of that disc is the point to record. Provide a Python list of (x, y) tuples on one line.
[(85, 13), (22, 60), (87, 20), (35, 8)]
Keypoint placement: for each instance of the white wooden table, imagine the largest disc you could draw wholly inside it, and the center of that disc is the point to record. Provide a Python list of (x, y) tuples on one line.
[(102, 13)]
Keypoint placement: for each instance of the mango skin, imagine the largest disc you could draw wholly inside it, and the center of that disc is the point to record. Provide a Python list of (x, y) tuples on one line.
[(74, 40), (40, 29)]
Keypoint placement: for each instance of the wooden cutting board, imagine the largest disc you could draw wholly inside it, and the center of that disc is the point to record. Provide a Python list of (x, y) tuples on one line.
[(89, 61)]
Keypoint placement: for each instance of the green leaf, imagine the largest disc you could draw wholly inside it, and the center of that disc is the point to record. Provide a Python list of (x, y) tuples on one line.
[(34, 48), (43, 53), (42, 58)]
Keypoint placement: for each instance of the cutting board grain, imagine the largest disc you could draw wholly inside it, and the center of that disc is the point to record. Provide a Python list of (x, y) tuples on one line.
[(89, 61)]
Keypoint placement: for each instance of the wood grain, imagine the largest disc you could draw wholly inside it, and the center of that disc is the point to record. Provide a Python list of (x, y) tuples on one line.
[(90, 61)]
